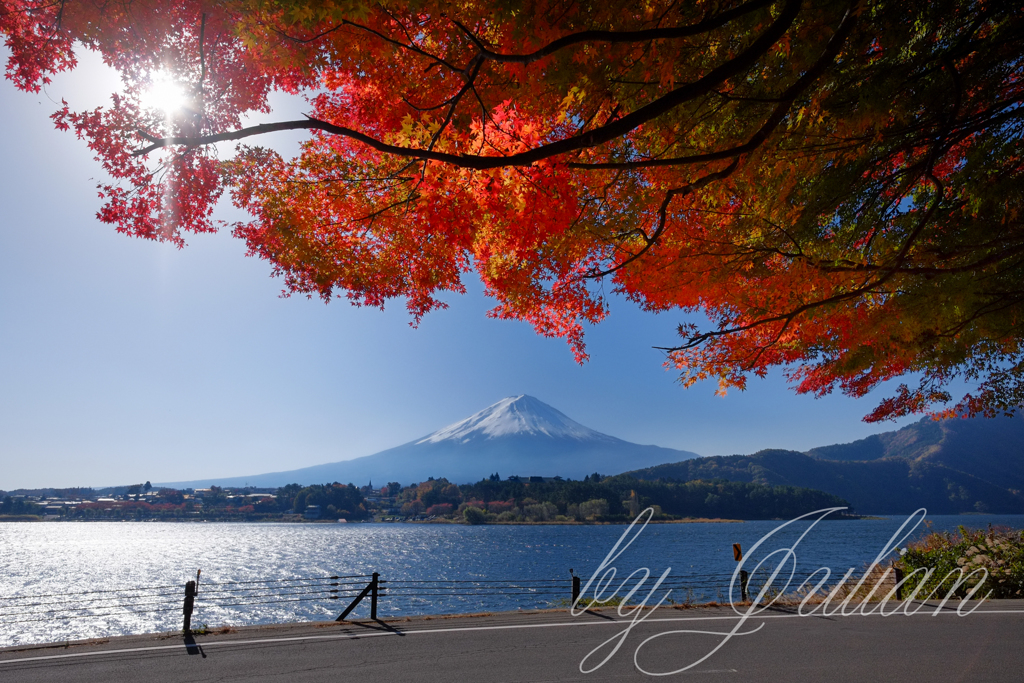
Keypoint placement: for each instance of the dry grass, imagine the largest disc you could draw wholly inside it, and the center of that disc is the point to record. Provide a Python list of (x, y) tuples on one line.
[(877, 584)]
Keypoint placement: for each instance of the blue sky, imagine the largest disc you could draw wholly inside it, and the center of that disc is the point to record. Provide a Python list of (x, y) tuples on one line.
[(124, 360)]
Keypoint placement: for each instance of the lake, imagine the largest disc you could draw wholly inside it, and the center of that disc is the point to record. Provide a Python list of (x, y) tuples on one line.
[(66, 581)]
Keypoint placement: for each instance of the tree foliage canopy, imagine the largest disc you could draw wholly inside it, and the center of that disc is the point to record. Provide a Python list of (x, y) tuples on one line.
[(837, 185)]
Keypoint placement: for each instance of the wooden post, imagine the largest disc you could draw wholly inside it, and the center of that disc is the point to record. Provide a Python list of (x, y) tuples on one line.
[(373, 596), (899, 581), (737, 554), (370, 588), (190, 601)]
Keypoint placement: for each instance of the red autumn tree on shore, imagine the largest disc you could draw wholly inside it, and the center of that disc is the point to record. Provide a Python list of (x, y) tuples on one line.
[(836, 185)]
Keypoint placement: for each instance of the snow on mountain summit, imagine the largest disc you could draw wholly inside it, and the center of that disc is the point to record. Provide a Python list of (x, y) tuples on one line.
[(515, 416)]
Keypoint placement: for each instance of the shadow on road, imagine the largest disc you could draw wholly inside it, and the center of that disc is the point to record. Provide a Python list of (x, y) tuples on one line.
[(192, 647), (377, 625), (598, 614)]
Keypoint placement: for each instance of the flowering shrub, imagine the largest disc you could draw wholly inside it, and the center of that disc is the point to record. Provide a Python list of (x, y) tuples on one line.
[(998, 551)]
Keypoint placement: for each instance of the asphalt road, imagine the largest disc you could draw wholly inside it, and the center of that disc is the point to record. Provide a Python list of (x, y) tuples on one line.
[(987, 645)]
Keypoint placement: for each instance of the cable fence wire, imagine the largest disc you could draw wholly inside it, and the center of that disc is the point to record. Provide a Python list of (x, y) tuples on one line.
[(404, 596), (267, 588), (274, 591), (272, 581), (483, 587), (66, 617), (73, 607), (14, 601), (141, 600), (432, 594), (537, 592), (111, 590)]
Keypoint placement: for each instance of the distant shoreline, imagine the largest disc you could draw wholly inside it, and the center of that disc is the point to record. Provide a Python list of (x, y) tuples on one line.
[(688, 520), (451, 522)]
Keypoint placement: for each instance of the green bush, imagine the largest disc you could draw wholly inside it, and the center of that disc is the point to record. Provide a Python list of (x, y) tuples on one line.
[(997, 550), (474, 516)]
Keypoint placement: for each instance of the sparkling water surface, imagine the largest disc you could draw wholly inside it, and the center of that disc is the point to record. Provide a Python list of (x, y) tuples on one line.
[(55, 577)]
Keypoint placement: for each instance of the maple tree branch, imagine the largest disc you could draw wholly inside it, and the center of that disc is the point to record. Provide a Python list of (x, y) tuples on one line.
[(1004, 302), (989, 260), (598, 136), (472, 36), (916, 232), (434, 108), (373, 215), (644, 35), (663, 216), (703, 26), (202, 50), (845, 266), (412, 47), (698, 339), (868, 285), (785, 100), (763, 348), (472, 70)]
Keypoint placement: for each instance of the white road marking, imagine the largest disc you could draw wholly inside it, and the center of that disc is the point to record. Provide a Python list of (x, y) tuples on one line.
[(455, 629)]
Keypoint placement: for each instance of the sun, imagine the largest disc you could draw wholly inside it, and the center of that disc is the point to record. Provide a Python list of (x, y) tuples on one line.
[(164, 94)]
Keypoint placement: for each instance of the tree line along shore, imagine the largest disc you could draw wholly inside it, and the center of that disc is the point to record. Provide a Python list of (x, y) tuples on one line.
[(512, 500)]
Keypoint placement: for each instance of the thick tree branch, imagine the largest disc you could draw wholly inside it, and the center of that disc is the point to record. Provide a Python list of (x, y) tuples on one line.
[(785, 100), (644, 35), (703, 26), (598, 136)]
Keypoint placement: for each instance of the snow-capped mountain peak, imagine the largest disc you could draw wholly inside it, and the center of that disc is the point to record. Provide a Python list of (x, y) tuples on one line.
[(514, 416), (518, 436)]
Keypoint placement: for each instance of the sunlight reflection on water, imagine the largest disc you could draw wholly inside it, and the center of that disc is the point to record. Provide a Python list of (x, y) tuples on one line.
[(61, 561)]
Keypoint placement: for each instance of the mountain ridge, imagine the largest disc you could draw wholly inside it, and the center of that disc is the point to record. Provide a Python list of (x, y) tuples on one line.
[(948, 467)]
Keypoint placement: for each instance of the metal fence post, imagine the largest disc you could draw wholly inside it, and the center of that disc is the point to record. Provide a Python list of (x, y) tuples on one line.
[(373, 596), (187, 607)]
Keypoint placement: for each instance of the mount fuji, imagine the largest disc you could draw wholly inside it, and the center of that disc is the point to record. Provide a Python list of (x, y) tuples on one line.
[(516, 436)]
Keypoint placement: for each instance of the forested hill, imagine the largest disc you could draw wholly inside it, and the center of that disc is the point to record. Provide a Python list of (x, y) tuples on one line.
[(990, 449), (948, 467), (625, 496)]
